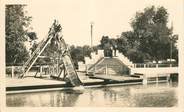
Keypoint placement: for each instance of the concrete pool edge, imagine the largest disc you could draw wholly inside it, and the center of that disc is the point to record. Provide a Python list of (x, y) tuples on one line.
[(65, 88), (29, 89)]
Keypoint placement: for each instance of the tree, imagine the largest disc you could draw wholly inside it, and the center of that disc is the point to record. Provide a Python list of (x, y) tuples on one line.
[(77, 54), (150, 35), (87, 51), (16, 27)]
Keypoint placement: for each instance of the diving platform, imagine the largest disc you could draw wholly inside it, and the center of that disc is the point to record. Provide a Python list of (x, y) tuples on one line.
[(63, 62)]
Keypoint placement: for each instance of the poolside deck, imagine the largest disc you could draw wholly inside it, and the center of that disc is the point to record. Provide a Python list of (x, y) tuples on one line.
[(16, 82), (30, 84)]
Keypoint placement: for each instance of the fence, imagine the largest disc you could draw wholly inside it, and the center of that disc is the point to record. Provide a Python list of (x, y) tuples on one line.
[(153, 65), (15, 71)]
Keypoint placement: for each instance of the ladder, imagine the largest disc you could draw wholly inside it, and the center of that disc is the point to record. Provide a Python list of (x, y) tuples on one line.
[(54, 30)]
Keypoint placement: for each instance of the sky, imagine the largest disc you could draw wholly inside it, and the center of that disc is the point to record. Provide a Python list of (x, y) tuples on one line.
[(110, 17)]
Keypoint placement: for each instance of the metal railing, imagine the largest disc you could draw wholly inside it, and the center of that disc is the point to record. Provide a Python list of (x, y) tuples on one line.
[(153, 65)]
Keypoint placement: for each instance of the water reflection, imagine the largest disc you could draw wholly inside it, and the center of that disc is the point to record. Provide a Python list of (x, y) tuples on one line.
[(155, 95)]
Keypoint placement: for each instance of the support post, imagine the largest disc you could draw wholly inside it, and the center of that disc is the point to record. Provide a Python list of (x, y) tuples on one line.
[(168, 77), (156, 65), (40, 71), (23, 71), (157, 78), (86, 69), (53, 70), (12, 71), (144, 79), (57, 67)]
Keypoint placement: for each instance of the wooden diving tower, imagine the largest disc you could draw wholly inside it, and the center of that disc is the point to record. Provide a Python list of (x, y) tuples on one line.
[(67, 66)]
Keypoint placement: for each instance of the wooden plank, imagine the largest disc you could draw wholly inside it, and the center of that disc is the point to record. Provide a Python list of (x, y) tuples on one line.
[(114, 77)]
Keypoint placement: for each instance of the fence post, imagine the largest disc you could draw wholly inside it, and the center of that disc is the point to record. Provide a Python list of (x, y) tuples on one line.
[(168, 77), (49, 69), (53, 70), (144, 65), (144, 79), (156, 65), (12, 74), (40, 70)]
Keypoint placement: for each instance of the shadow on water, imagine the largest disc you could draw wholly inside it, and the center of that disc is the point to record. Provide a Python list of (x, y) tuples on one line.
[(118, 96), (152, 95), (66, 98)]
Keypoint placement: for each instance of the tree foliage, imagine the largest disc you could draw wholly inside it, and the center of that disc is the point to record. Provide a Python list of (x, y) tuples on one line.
[(79, 52), (16, 29), (150, 37)]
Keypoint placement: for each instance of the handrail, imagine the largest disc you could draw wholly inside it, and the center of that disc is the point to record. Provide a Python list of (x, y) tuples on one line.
[(154, 65)]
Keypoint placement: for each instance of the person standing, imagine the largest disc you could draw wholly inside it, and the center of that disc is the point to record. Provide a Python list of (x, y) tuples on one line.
[(115, 48)]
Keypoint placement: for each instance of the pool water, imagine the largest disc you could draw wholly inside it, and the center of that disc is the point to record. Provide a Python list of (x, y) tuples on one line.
[(151, 95)]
